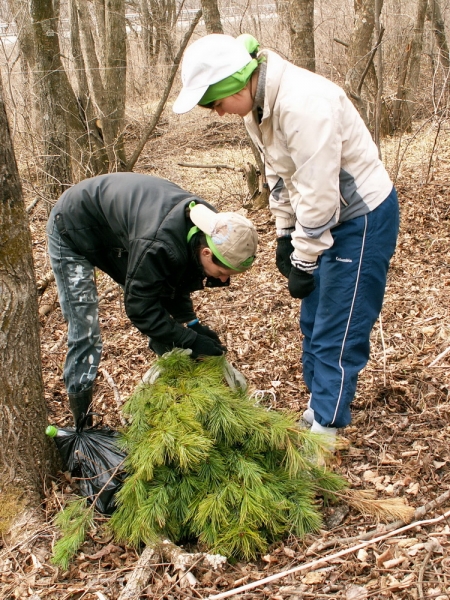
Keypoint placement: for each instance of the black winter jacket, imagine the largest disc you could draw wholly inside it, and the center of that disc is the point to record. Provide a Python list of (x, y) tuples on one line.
[(134, 227)]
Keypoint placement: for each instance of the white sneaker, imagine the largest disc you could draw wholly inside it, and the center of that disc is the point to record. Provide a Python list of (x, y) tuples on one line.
[(328, 433), (307, 419), (308, 416)]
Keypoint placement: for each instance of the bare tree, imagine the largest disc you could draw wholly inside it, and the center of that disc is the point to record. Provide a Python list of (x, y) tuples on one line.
[(56, 144), (409, 72), (164, 16), (360, 56), (211, 16), (434, 14), (95, 159), (412, 79), (25, 454), (106, 63), (115, 82), (301, 32)]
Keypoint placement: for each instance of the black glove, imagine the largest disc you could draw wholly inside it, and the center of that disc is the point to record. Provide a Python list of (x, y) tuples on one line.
[(205, 330), (205, 346), (159, 348), (300, 283), (283, 255)]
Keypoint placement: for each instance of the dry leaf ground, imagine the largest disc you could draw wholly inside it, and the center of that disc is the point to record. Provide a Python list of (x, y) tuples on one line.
[(399, 437)]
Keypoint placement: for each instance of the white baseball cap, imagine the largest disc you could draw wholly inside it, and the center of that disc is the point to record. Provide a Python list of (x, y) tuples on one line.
[(208, 60), (231, 237)]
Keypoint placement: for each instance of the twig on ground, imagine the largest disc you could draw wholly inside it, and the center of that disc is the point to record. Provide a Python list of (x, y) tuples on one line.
[(182, 562), (117, 396), (383, 345), (43, 283), (439, 357), (418, 514), (30, 207), (140, 574), (316, 564), (112, 288), (421, 574), (58, 344), (195, 166)]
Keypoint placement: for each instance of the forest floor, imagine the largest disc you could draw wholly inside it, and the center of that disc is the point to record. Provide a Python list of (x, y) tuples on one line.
[(399, 439)]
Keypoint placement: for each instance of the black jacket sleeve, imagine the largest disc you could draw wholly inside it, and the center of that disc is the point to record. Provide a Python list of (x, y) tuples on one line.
[(151, 289), (180, 307)]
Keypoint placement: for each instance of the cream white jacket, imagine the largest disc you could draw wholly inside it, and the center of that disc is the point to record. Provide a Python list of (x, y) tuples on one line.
[(321, 163)]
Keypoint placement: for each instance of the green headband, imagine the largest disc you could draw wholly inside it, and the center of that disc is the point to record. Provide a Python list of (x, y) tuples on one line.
[(230, 85), (242, 267)]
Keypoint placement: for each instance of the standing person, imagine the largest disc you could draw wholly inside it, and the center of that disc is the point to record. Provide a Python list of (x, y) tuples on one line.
[(156, 240), (336, 210)]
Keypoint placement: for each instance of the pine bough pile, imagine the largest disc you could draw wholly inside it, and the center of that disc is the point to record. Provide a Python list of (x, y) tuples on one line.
[(206, 462)]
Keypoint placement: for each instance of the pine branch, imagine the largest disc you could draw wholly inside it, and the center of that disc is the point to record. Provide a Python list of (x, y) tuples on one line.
[(74, 522), (205, 461)]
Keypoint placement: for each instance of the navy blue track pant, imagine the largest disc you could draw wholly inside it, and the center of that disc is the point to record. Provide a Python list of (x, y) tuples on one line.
[(337, 318)]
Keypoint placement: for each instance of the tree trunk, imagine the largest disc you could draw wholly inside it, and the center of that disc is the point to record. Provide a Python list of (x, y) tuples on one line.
[(147, 39), (358, 55), (25, 454), (95, 159), (56, 143), (413, 74), (379, 107), (434, 14), (409, 73), (108, 90), (301, 31), (398, 109), (25, 39), (115, 83), (211, 16)]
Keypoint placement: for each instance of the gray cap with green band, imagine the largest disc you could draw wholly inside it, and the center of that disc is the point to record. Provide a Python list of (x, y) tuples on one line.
[(231, 237)]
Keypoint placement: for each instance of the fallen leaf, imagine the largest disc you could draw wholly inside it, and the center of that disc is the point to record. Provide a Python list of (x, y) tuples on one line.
[(432, 545), (108, 549), (387, 555), (407, 543), (413, 489), (356, 592), (314, 577), (370, 476), (415, 549), (362, 555), (438, 465), (428, 330), (269, 559), (389, 564)]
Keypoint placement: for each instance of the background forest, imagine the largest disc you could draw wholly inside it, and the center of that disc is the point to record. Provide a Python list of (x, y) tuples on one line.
[(87, 88)]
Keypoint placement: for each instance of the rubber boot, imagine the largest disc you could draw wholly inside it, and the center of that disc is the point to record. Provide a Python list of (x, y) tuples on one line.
[(80, 404)]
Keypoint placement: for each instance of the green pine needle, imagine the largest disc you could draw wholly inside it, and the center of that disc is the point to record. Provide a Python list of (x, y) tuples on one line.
[(74, 522), (205, 461)]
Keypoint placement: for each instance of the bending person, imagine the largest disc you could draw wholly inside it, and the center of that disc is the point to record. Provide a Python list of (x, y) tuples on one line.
[(156, 240), (336, 210)]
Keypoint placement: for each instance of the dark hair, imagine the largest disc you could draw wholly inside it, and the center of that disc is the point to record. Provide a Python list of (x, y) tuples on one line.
[(199, 242)]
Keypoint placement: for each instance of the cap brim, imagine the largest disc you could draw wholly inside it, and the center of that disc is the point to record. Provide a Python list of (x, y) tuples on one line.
[(188, 99), (203, 217)]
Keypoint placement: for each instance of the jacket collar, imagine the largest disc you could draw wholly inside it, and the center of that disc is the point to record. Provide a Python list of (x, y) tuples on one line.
[(274, 72)]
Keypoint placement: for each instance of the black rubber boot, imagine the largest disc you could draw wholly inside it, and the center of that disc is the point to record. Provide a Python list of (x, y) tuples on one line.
[(81, 404)]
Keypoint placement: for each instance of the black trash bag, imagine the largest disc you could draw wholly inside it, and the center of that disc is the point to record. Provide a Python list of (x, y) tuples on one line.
[(94, 460)]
